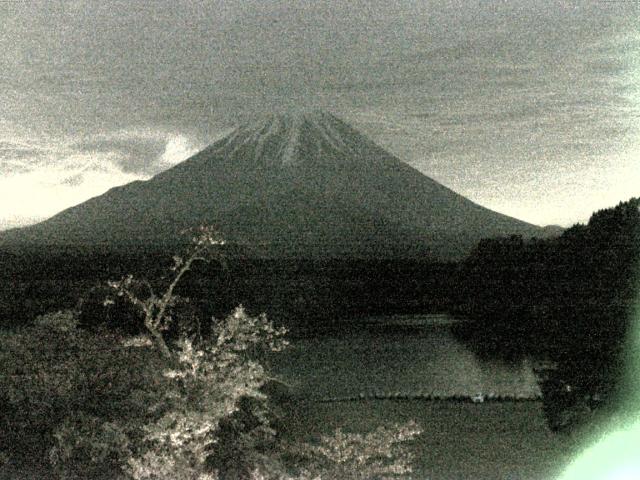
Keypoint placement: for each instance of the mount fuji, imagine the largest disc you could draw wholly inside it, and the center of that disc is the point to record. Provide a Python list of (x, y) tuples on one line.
[(286, 186)]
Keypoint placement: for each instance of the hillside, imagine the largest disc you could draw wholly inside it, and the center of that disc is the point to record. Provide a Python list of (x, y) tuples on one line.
[(294, 185)]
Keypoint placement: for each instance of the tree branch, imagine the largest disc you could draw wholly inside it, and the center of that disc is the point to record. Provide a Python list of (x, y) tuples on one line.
[(154, 318)]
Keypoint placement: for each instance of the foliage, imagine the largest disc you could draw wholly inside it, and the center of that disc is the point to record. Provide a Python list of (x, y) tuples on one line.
[(566, 299), (98, 405), (85, 446), (62, 320), (209, 384), (210, 379), (381, 454), (53, 378)]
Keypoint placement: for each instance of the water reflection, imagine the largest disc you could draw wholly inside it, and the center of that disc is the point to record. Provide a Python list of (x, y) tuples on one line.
[(424, 359)]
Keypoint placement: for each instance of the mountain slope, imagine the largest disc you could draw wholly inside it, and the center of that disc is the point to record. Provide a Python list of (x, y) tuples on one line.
[(303, 184)]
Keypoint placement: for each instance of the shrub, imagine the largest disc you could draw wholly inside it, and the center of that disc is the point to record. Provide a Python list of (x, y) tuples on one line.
[(51, 375), (85, 446), (62, 320), (211, 384), (381, 454), (156, 308)]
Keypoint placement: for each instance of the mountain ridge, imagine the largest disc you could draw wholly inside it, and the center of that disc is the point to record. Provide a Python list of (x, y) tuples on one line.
[(297, 184)]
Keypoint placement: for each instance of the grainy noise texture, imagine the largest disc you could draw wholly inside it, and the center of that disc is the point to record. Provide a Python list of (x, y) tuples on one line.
[(527, 108)]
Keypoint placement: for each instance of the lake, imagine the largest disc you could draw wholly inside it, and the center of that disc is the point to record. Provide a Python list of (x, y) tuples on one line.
[(418, 354), (408, 355)]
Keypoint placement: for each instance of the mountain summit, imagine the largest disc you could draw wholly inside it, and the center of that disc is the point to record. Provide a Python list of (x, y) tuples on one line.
[(303, 184)]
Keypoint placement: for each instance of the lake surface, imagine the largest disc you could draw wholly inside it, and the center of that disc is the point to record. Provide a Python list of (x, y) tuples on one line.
[(410, 355)]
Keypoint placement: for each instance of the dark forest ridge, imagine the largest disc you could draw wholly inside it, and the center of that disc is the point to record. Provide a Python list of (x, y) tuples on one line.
[(301, 184)]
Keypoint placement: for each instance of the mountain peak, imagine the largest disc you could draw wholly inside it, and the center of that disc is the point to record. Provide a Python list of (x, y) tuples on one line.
[(286, 133)]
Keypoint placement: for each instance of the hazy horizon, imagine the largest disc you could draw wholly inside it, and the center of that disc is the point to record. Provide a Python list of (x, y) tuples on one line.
[(529, 110)]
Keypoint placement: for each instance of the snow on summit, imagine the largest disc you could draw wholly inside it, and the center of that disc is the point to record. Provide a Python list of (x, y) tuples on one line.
[(286, 131)]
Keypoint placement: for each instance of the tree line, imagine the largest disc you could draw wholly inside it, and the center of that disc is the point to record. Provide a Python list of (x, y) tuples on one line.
[(568, 299)]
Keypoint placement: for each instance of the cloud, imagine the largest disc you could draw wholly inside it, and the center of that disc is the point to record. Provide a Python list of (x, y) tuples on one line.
[(133, 155), (41, 192), (496, 87), (39, 181), (141, 151), (16, 151), (177, 149)]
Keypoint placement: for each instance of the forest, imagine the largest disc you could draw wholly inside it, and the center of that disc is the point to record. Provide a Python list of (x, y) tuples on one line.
[(569, 300), (307, 295)]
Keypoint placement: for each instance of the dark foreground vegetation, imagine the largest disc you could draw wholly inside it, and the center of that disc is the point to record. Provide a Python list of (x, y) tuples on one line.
[(569, 300), (305, 295), (91, 390), (184, 399)]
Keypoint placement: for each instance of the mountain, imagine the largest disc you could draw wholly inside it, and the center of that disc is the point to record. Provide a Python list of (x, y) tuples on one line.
[(294, 185), (551, 231)]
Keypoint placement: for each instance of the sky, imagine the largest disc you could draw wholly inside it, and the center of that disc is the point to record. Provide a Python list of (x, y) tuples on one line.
[(529, 108)]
